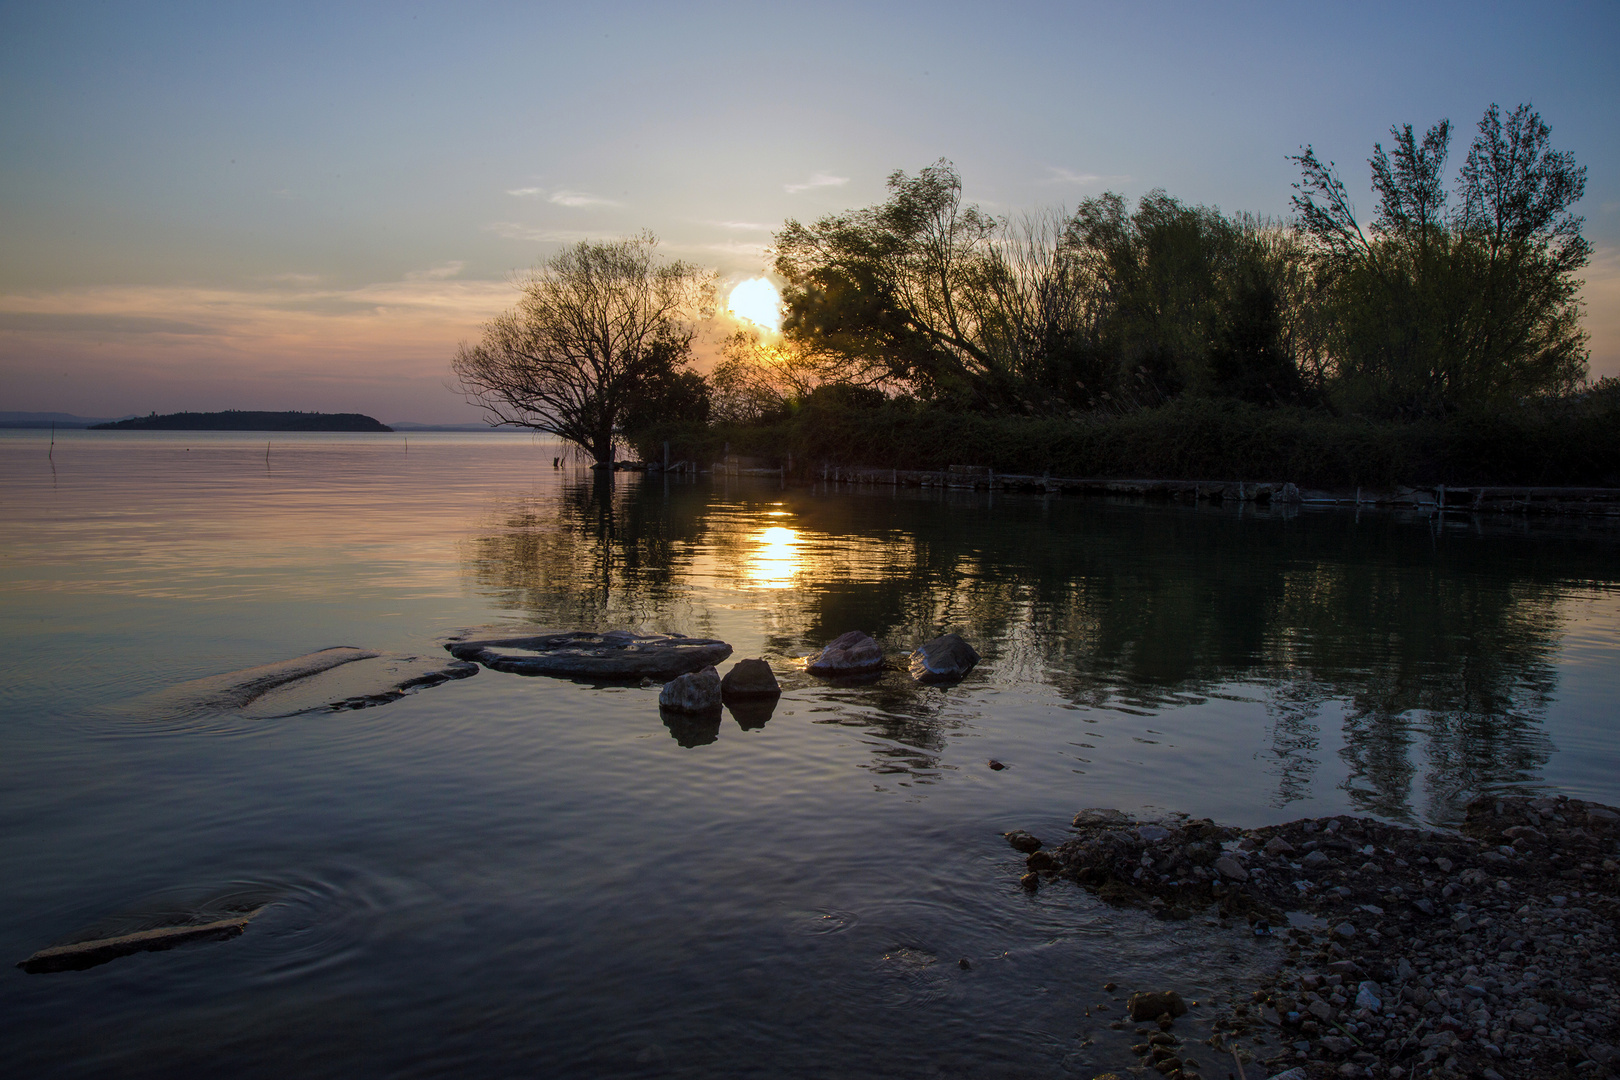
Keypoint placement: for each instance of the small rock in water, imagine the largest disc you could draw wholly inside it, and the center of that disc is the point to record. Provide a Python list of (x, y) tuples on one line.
[(996, 765), (1022, 841), (944, 659), (1100, 817), (698, 692), (750, 678), (1149, 1005), (847, 654)]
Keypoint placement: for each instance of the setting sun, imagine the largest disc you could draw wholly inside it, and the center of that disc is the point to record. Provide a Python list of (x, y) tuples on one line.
[(757, 301)]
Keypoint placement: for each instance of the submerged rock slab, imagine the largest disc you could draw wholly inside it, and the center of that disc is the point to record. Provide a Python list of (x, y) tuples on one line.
[(945, 659), (343, 677), (239, 689), (80, 955), (361, 685), (616, 654), (853, 653)]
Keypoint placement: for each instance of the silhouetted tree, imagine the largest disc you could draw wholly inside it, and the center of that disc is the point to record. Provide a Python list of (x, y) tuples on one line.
[(1430, 310), (601, 331)]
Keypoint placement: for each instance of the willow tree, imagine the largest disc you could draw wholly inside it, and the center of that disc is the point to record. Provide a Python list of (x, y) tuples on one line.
[(601, 329)]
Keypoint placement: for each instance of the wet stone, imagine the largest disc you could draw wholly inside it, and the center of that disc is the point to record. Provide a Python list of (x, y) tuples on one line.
[(750, 678), (945, 659), (1150, 1005), (848, 654), (696, 692)]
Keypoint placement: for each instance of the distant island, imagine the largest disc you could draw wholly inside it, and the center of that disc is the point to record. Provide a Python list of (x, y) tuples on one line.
[(235, 420)]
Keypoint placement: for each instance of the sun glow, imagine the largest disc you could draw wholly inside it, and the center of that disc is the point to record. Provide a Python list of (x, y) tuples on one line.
[(757, 301), (775, 562)]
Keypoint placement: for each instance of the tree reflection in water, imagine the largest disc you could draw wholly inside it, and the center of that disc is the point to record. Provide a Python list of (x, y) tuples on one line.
[(1431, 647)]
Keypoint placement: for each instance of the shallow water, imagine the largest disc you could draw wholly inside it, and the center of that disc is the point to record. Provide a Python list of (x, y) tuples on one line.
[(506, 876)]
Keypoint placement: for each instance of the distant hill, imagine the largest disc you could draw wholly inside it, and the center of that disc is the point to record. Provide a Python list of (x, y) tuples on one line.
[(234, 420)]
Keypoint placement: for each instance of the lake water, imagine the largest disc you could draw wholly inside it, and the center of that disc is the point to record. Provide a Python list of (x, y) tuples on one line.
[(527, 876)]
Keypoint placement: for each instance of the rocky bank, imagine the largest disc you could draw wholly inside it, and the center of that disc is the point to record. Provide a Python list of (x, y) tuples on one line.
[(1486, 952)]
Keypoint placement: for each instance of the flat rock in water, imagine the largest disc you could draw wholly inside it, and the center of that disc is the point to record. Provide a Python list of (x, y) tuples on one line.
[(80, 955), (577, 654), (944, 659), (750, 678), (338, 678), (847, 654), (694, 692)]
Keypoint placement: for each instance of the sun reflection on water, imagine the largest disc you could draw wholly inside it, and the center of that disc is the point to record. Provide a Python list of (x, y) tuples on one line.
[(775, 561)]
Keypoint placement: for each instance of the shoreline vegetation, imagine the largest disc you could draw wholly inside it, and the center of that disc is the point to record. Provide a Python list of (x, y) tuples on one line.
[(1438, 343), (238, 420), (1564, 443)]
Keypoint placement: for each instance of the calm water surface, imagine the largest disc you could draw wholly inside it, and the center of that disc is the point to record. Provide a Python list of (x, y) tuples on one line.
[(513, 876)]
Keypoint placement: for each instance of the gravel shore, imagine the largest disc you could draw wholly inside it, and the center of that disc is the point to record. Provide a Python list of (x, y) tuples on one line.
[(1484, 952)]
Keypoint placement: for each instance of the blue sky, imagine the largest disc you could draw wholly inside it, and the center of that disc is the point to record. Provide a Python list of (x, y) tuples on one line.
[(308, 206)]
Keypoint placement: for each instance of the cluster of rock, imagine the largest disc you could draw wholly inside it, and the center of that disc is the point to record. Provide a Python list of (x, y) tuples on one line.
[(705, 691), (1484, 952), (946, 658)]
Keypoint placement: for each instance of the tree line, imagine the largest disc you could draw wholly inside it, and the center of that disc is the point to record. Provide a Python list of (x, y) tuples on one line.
[(1451, 298)]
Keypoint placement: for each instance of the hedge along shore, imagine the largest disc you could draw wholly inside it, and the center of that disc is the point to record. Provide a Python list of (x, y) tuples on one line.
[(1190, 440), (1485, 952), (1599, 502)]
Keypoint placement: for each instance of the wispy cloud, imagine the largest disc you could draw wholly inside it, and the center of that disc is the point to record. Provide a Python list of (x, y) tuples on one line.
[(563, 197), (817, 180), (98, 324), (516, 230), (735, 247), (291, 278), (438, 273), (741, 226), (579, 198), (1069, 176)]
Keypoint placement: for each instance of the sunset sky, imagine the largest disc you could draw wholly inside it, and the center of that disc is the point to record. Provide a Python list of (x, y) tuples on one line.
[(299, 206)]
